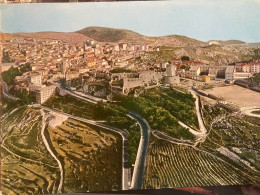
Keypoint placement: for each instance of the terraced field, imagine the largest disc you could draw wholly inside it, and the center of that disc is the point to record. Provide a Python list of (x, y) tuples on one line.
[(92, 158), (26, 165), (171, 165), (235, 133)]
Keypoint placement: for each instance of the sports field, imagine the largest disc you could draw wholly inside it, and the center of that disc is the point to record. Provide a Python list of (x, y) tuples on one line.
[(238, 95)]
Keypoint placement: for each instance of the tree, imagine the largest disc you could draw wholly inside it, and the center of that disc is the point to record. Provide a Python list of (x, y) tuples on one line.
[(185, 58)]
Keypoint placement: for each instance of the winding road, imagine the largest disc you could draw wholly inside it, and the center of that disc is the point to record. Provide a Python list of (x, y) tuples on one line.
[(6, 93), (123, 133), (248, 111), (140, 162), (44, 122)]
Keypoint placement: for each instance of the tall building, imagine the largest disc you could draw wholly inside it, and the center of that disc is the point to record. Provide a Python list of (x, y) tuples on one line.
[(44, 93)]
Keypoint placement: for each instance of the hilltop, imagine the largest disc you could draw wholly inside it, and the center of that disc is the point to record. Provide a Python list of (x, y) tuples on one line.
[(103, 34)]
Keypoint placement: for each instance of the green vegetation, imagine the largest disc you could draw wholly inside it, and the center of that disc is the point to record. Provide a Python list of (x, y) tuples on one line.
[(104, 34), (133, 143), (9, 75), (163, 108), (185, 58), (91, 157), (256, 78), (72, 105), (26, 165), (232, 131), (256, 55), (171, 165), (6, 57), (113, 115), (256, 112)]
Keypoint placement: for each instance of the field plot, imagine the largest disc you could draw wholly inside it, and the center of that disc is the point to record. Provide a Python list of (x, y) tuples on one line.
[(26, 165), (92, 158), (241, 96), (238, 133), (170, 165)]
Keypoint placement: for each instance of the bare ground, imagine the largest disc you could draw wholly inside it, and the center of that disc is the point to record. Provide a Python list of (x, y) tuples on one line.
[(238, 95)]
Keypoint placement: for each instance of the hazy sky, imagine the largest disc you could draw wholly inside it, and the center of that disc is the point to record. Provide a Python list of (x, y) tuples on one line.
[(200, 19)]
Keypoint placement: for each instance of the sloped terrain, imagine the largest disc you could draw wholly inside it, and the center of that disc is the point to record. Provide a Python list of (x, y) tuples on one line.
[(92, 158), (27, 167), (171, 165)]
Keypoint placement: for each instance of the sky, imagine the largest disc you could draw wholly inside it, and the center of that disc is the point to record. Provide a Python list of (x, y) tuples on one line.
[(200, 19)]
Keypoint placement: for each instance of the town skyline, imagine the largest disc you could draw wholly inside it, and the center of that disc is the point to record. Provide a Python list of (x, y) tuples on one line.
[(203, 21)]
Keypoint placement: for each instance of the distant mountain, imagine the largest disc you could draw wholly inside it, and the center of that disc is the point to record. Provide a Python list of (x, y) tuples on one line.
[(70, 38), (103, 34), (228, 42)]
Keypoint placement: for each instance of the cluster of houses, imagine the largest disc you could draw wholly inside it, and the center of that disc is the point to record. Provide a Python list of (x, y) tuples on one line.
[(52, 60), (227, 72)]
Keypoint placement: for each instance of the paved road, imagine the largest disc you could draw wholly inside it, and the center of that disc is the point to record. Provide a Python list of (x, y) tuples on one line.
[(5, 91), (203, 129), (44, 123), (161, 135), (123, 133), (248, 111), (80, 95), (140, 162)]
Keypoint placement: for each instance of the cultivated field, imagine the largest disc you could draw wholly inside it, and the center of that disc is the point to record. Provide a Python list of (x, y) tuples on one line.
[(241, 96), (171, 165), (238, 134), (91, 158), (26, 165)]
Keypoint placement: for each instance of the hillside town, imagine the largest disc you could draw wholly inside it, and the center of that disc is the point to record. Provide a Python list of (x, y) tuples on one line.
[(98, 68)]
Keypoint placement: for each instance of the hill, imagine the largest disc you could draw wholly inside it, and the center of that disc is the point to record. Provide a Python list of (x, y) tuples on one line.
[(103, 34), (71, 38)]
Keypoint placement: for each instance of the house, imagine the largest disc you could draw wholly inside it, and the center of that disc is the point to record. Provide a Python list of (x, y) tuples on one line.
[(91, 63), (229, 73), (255, 67), (194, 71), (35, 78)]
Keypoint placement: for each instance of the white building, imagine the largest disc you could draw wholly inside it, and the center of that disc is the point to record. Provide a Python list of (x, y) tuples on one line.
[(44, 93), (242, 75), (194, 71), (35, 78), (255, 67), (229, 73)]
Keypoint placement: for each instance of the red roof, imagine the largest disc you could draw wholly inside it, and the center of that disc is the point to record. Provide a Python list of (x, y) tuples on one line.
[(255, 63)]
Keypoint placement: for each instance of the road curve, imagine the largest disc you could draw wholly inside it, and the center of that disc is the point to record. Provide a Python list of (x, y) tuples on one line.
[(6, 93), (202, 127), (248, 112), (44, 120), (123, 133), (140, 162)]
